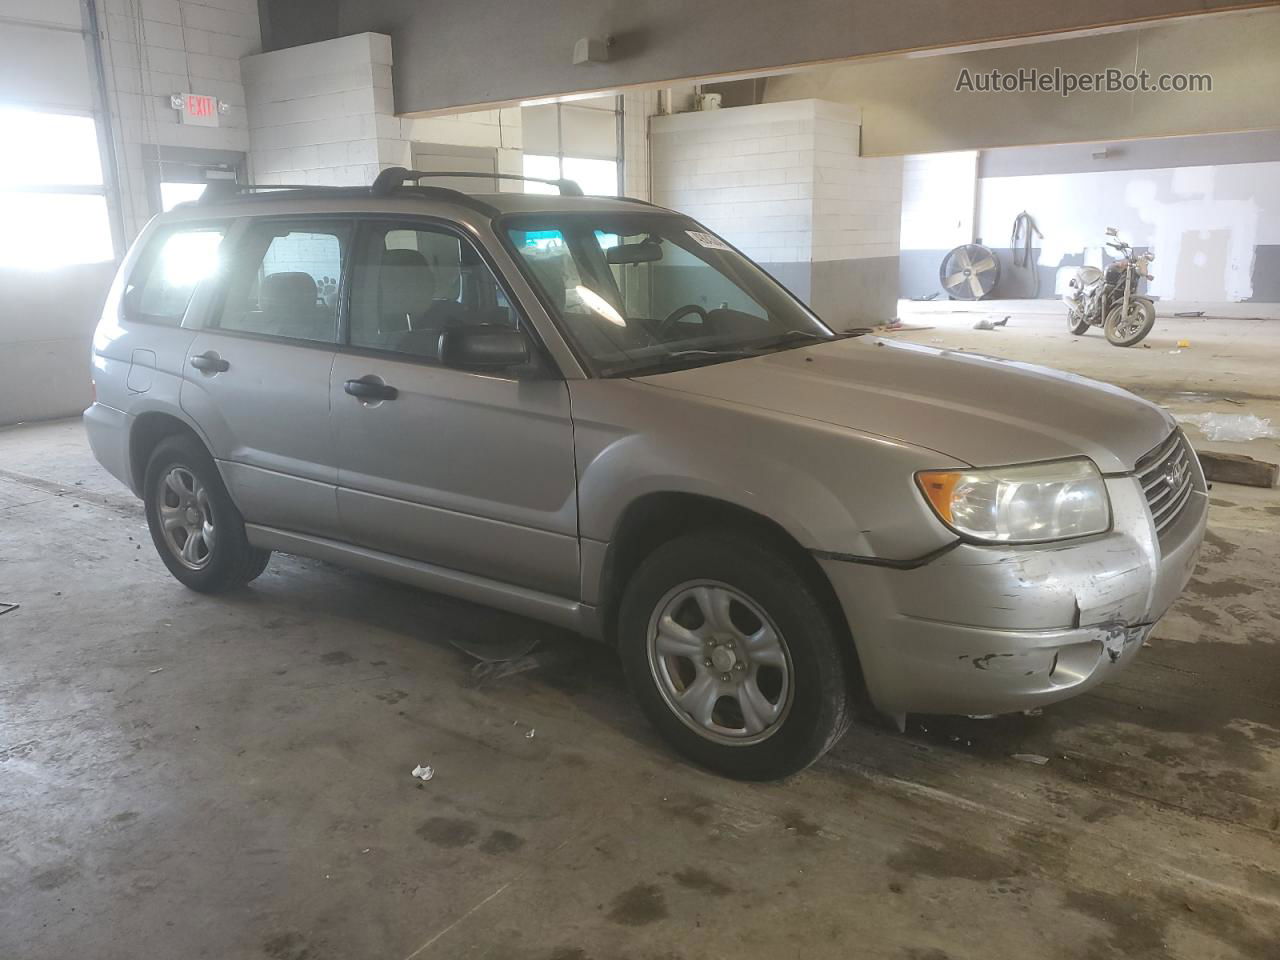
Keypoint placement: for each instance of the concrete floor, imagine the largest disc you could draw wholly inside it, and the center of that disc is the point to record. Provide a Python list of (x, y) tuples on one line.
[(185, 776)]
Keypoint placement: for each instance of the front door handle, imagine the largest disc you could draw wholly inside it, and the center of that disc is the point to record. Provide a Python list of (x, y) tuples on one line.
[(369, 388), (210, 362)]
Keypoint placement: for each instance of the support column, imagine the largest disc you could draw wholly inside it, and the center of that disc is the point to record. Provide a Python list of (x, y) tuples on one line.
[(785, 183)]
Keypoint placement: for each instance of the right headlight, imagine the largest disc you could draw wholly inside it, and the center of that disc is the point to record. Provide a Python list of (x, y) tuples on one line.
[(1020, 504)]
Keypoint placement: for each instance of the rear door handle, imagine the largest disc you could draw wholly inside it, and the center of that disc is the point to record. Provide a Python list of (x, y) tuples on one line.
[(210, 362), (371, 388)]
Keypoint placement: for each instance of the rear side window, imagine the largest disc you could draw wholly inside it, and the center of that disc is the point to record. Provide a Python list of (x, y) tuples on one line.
[(162, 283), (284, 280)]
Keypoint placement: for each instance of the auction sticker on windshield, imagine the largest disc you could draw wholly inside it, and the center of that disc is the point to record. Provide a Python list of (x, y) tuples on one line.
[(708, 241)]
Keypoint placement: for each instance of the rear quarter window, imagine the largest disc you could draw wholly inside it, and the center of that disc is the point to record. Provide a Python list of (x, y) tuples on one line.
[(164, 279)]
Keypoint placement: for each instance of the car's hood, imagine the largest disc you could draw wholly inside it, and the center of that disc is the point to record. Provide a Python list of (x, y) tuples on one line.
[(982, 410)]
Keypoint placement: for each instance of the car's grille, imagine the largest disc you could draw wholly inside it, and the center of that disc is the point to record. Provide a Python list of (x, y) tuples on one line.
[(1167, 476)]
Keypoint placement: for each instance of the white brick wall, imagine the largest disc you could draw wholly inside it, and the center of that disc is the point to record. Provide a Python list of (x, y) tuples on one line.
[(857, 200), (324, 113), (154, 48), (783, 181), (314, 110)]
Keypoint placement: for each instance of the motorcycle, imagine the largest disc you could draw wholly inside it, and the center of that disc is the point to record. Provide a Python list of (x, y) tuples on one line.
[(1109, 299)]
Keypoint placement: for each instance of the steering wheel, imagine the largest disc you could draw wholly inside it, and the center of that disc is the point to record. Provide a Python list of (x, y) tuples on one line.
[(677, 313)]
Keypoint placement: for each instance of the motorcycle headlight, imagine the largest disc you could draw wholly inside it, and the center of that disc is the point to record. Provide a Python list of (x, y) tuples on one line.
[(1020, 504)]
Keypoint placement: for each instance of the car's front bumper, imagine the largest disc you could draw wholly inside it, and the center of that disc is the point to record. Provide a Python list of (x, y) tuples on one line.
[(996, 629)]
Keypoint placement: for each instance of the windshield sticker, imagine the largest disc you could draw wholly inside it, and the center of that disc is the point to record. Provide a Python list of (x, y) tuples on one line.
[(707, 240)]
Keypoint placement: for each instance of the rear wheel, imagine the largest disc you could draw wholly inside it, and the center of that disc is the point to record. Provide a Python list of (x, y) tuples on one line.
[(1077, 325), (195, 526), (730, 654), (1125, 329)]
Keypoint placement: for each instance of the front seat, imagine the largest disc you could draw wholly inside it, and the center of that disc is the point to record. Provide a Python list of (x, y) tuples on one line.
[(406, 287)]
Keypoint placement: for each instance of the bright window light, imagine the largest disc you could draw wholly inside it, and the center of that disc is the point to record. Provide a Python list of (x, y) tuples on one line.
[(53, 207), (599, 305), (43, 231), (548, 168), (48, 149), (172, 194), (597, 178), (187, 258)]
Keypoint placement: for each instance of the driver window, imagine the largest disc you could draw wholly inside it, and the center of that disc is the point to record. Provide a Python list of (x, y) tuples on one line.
[(412, 283)]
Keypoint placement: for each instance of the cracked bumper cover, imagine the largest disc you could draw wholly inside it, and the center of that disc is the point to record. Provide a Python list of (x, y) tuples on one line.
[(996, 629)]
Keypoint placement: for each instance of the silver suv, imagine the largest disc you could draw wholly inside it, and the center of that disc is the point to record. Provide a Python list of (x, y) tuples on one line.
[(597, 413)]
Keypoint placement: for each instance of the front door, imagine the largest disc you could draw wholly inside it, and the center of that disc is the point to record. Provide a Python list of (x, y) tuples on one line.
[(257, 378), (469, 471)]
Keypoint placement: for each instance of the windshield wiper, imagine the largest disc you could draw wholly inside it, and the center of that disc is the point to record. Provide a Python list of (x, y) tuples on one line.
[(682, 360), (791, 336)]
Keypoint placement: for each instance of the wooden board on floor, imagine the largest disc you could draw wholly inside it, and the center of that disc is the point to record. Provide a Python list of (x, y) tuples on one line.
[(1238, 468)]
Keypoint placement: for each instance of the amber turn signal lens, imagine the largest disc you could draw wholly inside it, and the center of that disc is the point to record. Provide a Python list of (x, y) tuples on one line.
[(938, 486)]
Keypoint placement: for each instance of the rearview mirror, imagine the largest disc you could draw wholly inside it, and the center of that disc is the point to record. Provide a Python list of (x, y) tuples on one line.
[(1112, 232), (483, 348), (645, 252)]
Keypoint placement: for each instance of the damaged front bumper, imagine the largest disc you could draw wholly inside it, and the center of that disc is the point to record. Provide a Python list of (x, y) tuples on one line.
[(997, 629)]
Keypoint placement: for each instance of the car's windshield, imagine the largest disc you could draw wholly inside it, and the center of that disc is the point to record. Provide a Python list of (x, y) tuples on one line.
[(645, 292)]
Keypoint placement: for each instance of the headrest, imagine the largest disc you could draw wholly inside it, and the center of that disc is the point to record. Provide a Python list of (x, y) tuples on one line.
[(287, 291), (403, 258), (406, 284)]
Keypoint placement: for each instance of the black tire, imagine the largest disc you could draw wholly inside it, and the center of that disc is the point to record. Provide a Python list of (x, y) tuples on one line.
[(1077, 328), (1142, 317), (231, 562), (820, 705)]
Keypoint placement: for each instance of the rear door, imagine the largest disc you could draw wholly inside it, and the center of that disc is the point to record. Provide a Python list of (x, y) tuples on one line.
[(141, 345), (257, 377), (470, 471)]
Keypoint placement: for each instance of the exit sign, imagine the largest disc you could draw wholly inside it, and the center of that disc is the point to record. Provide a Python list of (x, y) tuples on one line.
[(200, 110)]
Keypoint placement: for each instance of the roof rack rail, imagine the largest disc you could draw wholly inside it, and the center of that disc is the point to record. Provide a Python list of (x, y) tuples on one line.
[(225, 191), (219, 190), (393, 177)]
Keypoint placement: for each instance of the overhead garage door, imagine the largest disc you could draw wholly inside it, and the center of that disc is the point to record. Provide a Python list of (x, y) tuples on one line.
[(56, 248)]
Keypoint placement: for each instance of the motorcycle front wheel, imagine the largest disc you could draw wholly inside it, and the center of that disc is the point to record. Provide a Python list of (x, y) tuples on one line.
[(1133, 326)]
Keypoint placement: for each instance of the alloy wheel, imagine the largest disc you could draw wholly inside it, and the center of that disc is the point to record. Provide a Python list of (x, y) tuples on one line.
[(1132, 322), (720, 663), (186, 517)]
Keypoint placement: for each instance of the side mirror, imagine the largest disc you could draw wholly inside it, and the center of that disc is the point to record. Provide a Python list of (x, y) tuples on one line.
[(1111, 232), (483, 348)]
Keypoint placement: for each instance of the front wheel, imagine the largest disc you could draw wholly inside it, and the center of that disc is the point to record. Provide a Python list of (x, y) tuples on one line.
[(728, 650), (194, 524), (1132, 327)]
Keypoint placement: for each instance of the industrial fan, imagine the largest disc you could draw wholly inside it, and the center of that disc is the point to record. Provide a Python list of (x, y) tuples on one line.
[(969, 272)]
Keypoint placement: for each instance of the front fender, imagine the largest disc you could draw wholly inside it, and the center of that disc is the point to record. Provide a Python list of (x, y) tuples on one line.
[(832, 489)]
